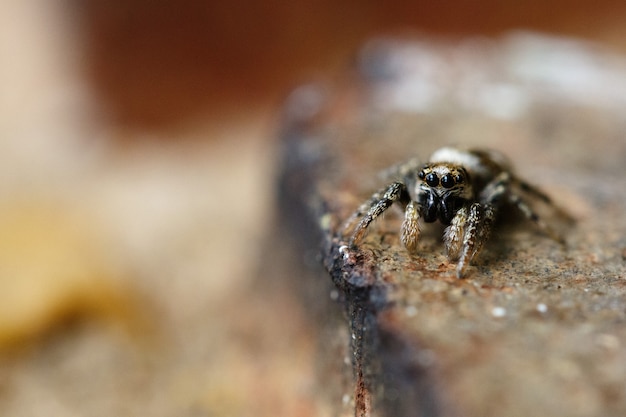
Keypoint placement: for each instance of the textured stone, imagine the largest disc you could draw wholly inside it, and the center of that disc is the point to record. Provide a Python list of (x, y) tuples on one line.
[(536, 328)]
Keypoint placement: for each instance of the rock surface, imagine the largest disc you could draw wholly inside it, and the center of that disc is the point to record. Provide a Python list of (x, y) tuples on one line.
[(536, 328)]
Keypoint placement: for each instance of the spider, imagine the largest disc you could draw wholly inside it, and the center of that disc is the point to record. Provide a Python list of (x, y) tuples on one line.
[(464, 190)]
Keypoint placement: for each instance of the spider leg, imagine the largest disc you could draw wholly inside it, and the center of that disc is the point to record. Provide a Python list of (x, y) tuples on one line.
[(477, 230), (404, 170), (376, 206), (410, 226), (494, 191), (363, 208), (453, 235), (471, 227), (540, 195), (530, 214), (534, 191)]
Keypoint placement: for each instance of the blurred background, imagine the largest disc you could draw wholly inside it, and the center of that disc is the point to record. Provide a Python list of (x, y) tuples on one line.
[(137, 158), (155, 64)]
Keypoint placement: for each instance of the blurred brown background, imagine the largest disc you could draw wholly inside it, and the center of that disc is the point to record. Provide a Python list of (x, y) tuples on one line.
[(137, 158), (157, 62)]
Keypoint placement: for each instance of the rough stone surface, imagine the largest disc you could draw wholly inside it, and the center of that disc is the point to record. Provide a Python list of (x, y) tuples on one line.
[(536, 328)]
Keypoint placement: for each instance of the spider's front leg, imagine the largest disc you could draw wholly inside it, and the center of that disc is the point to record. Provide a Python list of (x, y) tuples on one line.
[(410, 226), (471, 226), (453, 235), (395, 192), (475, 225), (531, 215)]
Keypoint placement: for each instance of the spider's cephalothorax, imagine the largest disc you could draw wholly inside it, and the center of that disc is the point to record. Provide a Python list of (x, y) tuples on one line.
[(462, 189), (444, 188)]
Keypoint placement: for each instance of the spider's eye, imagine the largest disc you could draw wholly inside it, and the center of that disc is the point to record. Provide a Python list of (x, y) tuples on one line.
[(432, 179), (421, 175), (447, 181), (458, 178)]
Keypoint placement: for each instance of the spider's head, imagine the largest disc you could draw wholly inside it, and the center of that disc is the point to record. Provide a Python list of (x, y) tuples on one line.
[(443, 189)]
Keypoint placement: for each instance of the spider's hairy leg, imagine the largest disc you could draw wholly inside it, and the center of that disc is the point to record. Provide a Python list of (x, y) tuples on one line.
[(532, 190), (494, 191), (377, 205), (540, 195), (477, 230), (410, 226), (402, 170), (534, 217), (349, 224), (476, 223), (453, 236)]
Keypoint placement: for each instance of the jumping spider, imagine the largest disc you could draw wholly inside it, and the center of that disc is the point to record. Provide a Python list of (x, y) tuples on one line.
[(463, 189)]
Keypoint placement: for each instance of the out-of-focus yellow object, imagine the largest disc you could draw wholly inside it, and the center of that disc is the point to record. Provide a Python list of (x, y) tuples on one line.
[(53, 267)]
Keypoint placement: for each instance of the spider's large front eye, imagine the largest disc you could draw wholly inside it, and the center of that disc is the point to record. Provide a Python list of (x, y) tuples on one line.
[(447, 181), (432, 179)]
